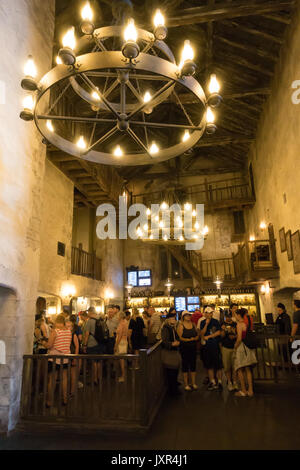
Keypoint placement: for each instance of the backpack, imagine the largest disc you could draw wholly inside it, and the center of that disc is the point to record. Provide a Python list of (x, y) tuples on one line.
[(250, 340), (101, 334)]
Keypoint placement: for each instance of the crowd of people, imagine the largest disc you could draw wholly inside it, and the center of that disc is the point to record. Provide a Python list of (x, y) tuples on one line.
[(220, 342)]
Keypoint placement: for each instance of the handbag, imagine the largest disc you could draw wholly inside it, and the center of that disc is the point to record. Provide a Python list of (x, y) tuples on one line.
[(122, 347), (251, 340), (171, 358)]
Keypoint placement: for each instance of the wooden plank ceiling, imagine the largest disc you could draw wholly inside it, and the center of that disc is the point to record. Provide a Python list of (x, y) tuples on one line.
[(238, 40)]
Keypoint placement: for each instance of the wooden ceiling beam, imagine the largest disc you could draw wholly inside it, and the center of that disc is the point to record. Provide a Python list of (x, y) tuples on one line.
[(255, 32), (223, 11), (247, 48)]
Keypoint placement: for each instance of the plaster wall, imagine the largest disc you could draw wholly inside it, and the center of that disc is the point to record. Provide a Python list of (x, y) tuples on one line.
[(25, 26), (276, 164)]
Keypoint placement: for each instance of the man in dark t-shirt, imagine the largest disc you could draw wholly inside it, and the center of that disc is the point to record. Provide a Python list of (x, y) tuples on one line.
[(210, 330), (228, 338)]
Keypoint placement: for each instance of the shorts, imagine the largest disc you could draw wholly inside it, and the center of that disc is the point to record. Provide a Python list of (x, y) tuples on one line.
[(99, 349), (57, 366), (211, 357), (227, 358)]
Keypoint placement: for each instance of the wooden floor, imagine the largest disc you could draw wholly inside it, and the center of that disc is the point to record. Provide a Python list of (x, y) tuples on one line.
[(196, 420)]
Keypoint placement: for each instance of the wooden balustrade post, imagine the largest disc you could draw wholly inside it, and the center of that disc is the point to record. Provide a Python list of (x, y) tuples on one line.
[(144, 386)]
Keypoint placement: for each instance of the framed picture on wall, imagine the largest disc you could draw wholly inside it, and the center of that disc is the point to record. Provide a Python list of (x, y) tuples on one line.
[(289, 248), (295, 238), (282, 239)]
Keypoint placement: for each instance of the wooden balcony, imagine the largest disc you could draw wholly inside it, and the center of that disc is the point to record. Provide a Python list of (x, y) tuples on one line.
[(234, 192), (256, 261), (86, 264)]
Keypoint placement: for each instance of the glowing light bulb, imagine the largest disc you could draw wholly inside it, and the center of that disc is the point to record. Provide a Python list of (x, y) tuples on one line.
[(69, 38), (81, 143), (58, 60), (165, 237), (187, 206), (147, 97), (181, 238), (161, 224), (252, 238), (196, 226), (159, 19), (151, 237), (145, 227), (179, 222), (156, 218), (194, 213), (210, 117), (187, 52), (118, 152), (87, 12), (96, 96), (130, 32), (186, 136), (205, 230), (263, 225), (214, 85), (154, 148), (49, 125), (263, 289), (148, 211), (28, 102), (195, 237), (164, 205), (30, 69)]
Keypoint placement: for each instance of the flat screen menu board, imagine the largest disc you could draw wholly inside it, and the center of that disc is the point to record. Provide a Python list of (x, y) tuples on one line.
[(193, 300), (192, 308), (180, 304), (139, 278), (132, 278)]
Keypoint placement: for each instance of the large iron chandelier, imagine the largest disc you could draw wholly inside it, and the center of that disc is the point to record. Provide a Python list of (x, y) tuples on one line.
[(142, 68)]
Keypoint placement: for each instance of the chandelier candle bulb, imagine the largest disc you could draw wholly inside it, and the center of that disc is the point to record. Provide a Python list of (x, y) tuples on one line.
[(87, 26), (215, 98), (153, 149), (160, 30), (164, 205), (96, 96), (118, 152), (210, 119), (130, 49), (187, 64), (29, 83), (148, 212), (67, 54), (81, 143), (28, 104), (186, 136), (147, 98), (50, 125)]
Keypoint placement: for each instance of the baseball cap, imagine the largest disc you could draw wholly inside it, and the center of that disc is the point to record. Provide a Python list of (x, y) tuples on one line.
[(208, 310), (185, 312)]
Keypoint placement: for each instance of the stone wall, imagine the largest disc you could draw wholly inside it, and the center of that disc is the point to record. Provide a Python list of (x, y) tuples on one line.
[(276, 166), (58, 225), (25, 25)]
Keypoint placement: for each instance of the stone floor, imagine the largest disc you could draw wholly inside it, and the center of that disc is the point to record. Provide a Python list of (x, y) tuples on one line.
[(195, 421)]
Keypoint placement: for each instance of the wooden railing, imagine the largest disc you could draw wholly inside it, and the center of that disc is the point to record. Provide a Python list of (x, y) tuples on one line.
[(209, 269), (206, 193), (133, 402), (86, 264), (274, 358)]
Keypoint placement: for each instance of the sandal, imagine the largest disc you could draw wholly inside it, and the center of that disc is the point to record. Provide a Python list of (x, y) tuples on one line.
[(240, 394), (187, 388)]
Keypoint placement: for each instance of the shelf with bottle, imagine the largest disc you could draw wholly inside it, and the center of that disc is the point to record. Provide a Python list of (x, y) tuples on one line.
[(243, 300), (219, 301), (161, 302), (137, 302)]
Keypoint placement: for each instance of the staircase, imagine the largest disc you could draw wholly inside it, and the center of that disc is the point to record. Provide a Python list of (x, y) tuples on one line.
[(204, 271)]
